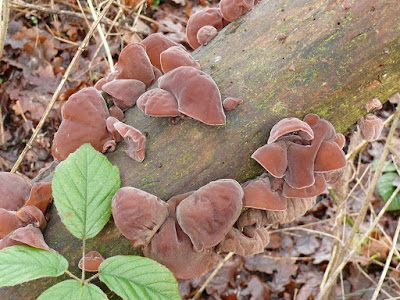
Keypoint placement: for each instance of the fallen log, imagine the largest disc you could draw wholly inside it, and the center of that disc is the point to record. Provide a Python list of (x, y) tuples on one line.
[(332, 62)]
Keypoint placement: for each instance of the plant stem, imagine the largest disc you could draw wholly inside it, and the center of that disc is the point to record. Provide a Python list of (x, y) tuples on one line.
[(87, 281), (71, 275), (4, 15), (83, 261)]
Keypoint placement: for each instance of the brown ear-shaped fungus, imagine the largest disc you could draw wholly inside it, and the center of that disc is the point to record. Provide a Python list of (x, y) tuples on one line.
[(32, 215), (259, 194), (232, 10), (207, 215), (99, 84), (231, 103), (175, 57), (174, 201), (84, 121), (125, 91), (133, 63), (197, 94), (207, 16), (116, 112), (206, 34), (329, 157), (93, 260), (250, 241), (171, 247), (395, 99), (290, 125), (370, 127), (296, 207), (155, 44), (158, 103), (8, 222), (340, 140), (14, 191), (134, 138), (273, 157), (373, 104), (157, 73), (40, 196), (28, 235), (138, 214), (110, 122), (252, 217), (317, 188)]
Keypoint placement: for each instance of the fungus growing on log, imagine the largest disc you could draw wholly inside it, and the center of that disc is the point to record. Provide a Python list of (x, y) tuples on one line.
[(125, 92), (204, 17), (14, 191), (135, 140), (232, 10), (374, 104), (175, 57), (158, 103), (40, 196), (231, 103), (197, 94), (8, 222), (28, 235), (133, 63), (138, 214), (206, 34), (84, 121), (155, 44), (93, 260), (370, 127)]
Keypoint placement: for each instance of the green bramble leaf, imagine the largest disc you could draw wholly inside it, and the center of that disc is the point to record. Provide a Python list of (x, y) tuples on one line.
[(387, 166), (138, 278), (83, 186), (19, 264), (386, 188), (73, 290)]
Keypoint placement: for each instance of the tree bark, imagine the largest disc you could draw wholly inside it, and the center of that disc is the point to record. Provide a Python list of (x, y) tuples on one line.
[(342, 60)]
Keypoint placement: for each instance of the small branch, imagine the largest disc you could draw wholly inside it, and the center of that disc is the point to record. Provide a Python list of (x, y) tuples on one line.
[(102, 36), (71, 275), (60, 86), (83, 260), (4, 15), (213, 274), (87, 281), (388, 261)]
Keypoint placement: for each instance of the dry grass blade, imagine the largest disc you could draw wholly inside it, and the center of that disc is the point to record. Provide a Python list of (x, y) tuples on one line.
[(388, 261), (4, 15), (212, 275), (60, 86)]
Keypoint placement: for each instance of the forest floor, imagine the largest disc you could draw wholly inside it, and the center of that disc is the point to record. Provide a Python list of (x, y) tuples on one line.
[(43, 37)]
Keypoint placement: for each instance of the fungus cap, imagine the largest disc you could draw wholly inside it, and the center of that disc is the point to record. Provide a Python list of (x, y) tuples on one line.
[(8, 222), (259, 194), (158, 103), (232, 10), (207, 16), (206, 34), (273, 158), (207, 215), (373, 104), (329, 157), (32, 215), (296, 207), (231, 103), (290, 125), (175, 57), (370, 127), (14, 191), (197, 94), (28, 235), (138, 214), (124, 91), (155, 44), (40, 196), (84, 121), (314, 190), (93, 260), (135, 140), (133, 63)]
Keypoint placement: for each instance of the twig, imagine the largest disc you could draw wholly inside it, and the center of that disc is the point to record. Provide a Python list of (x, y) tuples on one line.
[(4, 15), (388, 261), (59, 88), (362, 213), (71, 275), (102, 36), (87, 281), (83, 261), (227, 257), (2, 133), (346, 259), (371, 280), (105, 20)]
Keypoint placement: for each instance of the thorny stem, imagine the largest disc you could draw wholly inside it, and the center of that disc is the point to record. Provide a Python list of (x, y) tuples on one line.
[(363, 211), (71, 275), (60, 86), (227, 257)]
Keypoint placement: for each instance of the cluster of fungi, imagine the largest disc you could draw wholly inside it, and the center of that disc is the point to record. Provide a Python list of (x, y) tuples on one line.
[(189, 232)]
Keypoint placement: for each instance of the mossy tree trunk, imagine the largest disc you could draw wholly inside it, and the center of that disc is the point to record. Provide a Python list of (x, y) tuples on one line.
[(342, 60)]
